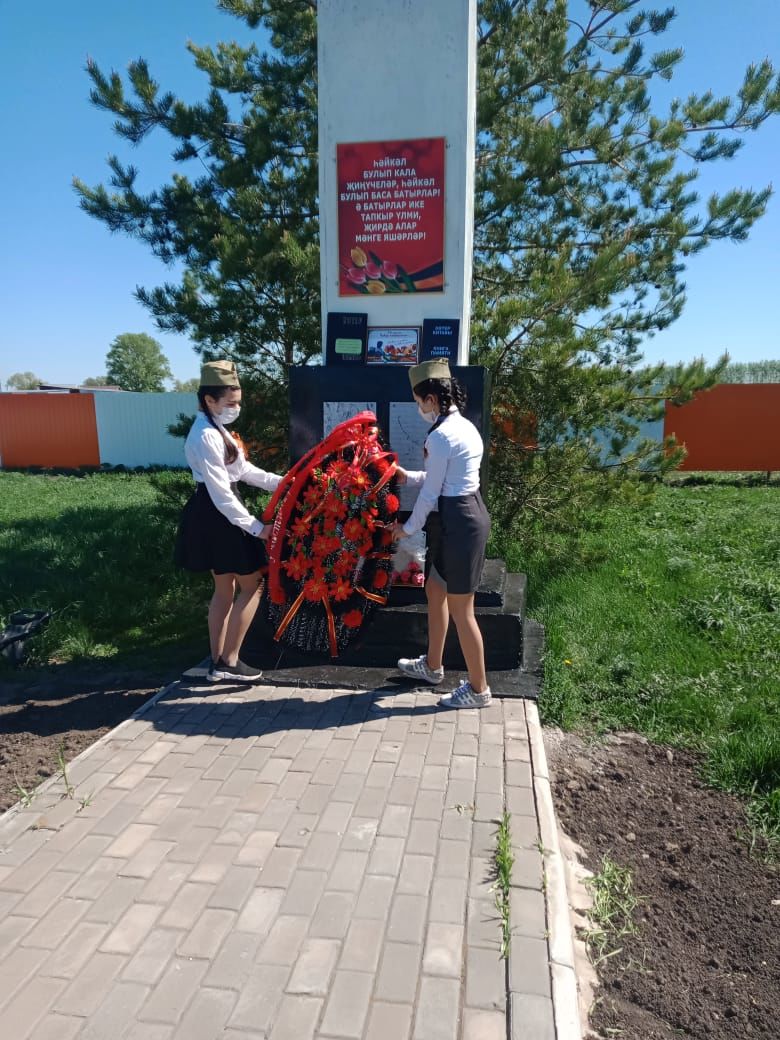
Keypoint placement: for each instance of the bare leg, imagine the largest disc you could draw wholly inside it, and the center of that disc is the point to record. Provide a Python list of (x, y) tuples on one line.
[(438, 621), (250, 588), (219, 611), (470, 638)]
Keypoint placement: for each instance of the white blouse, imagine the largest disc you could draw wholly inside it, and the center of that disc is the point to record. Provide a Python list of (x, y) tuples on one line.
[(454, 454), (204, 450)]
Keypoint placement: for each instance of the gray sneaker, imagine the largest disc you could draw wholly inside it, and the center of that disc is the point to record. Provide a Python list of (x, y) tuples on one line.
[(418, 668), (465, 697)]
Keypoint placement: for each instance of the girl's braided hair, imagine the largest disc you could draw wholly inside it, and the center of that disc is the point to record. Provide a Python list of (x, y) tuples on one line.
[(231, 449), (448, 392)]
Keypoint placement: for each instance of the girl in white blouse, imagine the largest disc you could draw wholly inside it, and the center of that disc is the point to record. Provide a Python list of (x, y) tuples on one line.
[(457, 525), (217, 532)]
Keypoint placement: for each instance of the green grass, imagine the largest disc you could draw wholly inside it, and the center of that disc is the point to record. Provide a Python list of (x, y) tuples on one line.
[(97, 549), (675, 632), (612, 908), (503, 859)]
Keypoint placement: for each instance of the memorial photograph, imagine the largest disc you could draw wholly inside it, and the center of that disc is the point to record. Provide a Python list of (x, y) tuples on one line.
[(393, 346)]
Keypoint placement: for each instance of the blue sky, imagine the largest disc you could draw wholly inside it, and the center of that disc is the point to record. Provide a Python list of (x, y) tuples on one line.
[(66, 284)]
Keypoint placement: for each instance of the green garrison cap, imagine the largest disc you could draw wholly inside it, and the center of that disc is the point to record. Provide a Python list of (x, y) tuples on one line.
[(439, 368), (218, 373)]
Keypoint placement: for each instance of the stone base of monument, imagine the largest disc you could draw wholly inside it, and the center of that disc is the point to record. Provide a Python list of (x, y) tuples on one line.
[(513, 644)]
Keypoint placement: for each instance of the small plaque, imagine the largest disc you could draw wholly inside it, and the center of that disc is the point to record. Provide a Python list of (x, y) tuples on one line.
[(335, 412), (440, 339), (407, 438), (393, 346), (345, 341)]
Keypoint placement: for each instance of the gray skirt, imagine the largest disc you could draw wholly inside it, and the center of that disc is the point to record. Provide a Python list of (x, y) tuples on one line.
[(457, 536)]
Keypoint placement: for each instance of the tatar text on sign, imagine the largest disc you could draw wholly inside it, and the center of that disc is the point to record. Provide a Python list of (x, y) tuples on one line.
[(391, 217)]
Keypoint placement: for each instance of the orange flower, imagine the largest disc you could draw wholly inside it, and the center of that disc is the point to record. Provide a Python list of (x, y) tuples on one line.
[(359, 258), (353, 619), (380, 579), (375, 288)]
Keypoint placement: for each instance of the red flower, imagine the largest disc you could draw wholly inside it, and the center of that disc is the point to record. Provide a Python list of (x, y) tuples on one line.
[(296, 567), (321, 545), (380, 579), (312, 495), (300, 528), (314, 589), (353, 619), (345, 564), (337, 468), (341, 590), (353, 529), (358, 479), (392, 503), (335, 507), (365, 547), (387, 537)]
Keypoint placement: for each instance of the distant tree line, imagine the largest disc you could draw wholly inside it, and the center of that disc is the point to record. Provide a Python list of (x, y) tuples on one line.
[(751, 372)]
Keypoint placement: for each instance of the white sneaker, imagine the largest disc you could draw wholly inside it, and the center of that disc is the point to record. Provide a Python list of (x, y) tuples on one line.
[(418, 668), (466, 697)]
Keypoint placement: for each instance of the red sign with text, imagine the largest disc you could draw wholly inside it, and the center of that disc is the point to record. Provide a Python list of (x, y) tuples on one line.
[(391, 217)]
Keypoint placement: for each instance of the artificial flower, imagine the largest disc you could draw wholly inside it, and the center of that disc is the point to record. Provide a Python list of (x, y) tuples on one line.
[(314, 589), (353, 529), (359, 258), (356, 276), (380, 579), (353, 618), (341, 590), (375, 288)]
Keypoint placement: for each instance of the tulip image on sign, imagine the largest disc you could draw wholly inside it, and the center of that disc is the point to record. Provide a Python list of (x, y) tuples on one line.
[(369, 274)]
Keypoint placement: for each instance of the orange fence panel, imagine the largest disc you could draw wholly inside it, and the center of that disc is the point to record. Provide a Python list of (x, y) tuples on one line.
[(733, 426), (48, 430)]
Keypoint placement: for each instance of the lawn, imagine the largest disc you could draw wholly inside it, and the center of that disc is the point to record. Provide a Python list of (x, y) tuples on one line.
[(675, 632), (97, 550)]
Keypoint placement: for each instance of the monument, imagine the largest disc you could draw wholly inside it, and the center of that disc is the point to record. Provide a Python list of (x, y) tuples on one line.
[(397, 126)]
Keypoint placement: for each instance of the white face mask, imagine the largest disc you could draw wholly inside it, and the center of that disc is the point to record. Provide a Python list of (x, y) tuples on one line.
[(429, 417), (228, 415)]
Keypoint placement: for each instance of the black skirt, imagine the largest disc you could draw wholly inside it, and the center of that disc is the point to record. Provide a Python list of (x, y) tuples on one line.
[(456, 540), (207, 541)]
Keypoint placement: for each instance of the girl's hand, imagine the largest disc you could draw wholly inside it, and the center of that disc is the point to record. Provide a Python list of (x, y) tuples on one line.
[(401, 475), (398, 531)]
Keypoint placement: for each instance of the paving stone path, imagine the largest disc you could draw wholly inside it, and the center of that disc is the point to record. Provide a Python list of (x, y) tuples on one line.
[(279, 864)]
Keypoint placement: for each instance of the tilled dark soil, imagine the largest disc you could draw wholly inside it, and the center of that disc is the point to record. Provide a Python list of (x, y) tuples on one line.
[(55, 712), (705, 962)]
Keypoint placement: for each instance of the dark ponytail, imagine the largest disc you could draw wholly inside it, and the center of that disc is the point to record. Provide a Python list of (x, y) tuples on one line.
[(448, 392), (231, 448)]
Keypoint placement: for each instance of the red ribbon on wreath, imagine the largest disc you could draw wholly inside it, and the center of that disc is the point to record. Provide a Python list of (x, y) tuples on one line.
[(330, 550)]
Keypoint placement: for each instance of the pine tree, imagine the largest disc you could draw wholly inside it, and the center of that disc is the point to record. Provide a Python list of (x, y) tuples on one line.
[(586, 213)]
